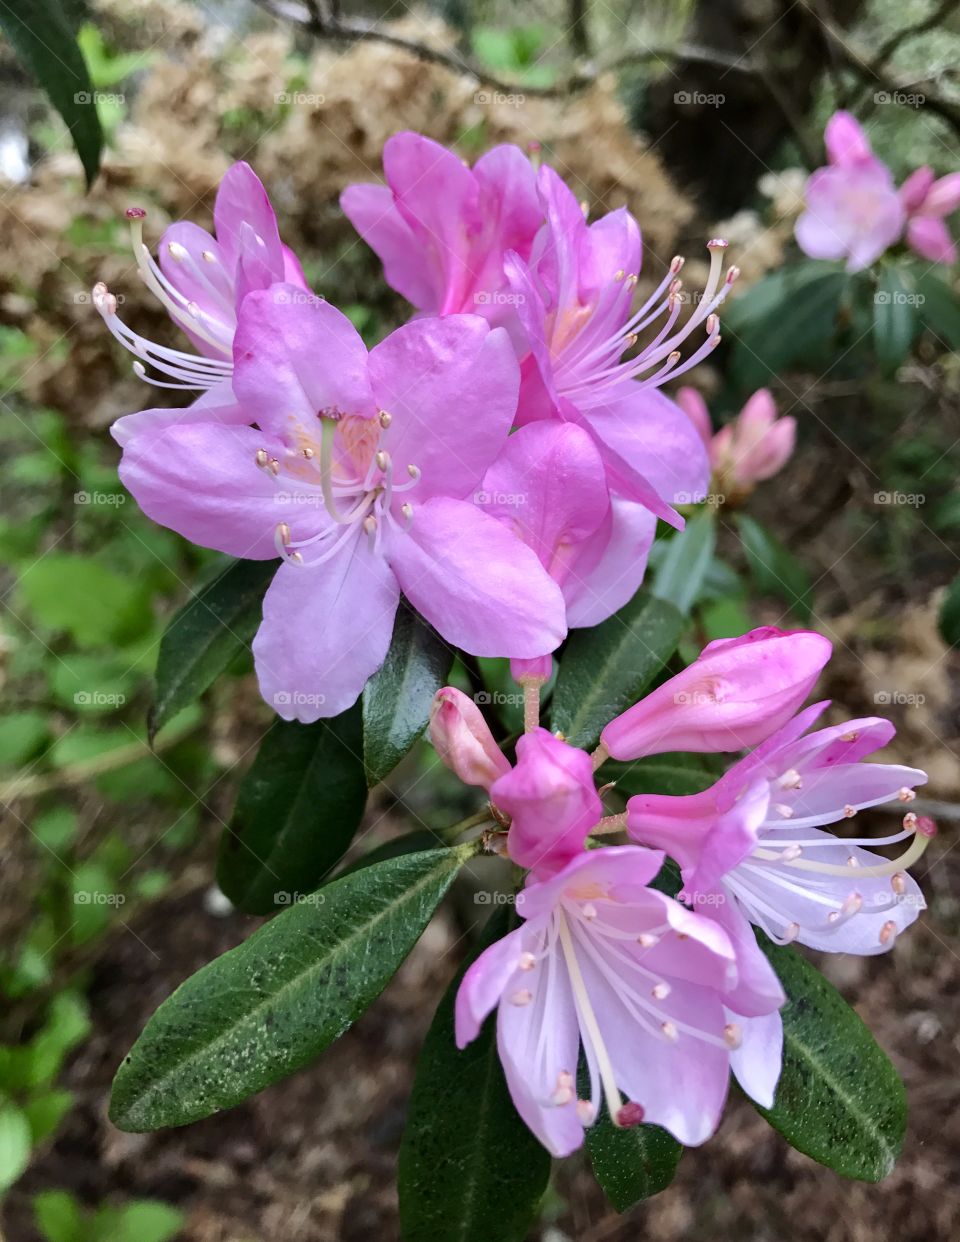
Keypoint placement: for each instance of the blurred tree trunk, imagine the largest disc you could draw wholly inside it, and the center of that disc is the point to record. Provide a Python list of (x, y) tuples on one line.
[(717, 127)]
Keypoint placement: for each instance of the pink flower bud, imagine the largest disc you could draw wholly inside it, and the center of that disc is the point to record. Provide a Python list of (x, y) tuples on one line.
[(734, 695), (944, 196), (551, 799), (463, 740), (695, 408), (915, 189), (846, 141)]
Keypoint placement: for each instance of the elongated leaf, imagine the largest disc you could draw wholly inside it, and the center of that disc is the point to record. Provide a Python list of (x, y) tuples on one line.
[(682, 573), (839, 1100), (940, 309), (607, 668), (297, 811), (268, 1007), (469, 1168), (895, 320), (44, 42), (206, 635), (775, 570), (672, 773), (631, 1163), (397, 698), (949, 620)]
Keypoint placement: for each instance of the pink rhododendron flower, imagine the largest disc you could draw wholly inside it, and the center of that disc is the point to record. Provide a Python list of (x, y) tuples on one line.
[(574, 297), (201, 281), (755, 837), (552, 802), (441, 229), (853, 210), (927, 202), (642, 984), (463, 740), (735, 694), (751, 448), (317, 483)]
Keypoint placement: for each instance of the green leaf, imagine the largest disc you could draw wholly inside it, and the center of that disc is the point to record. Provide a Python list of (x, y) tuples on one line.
[(15, 1144), (894, 318), (786, 318), (59, 1217), (21, 736), (631, 1163), (467, 1160), (839, 1100), (91, 602), (397, 698), (45, 43), (207, 635), (949, 620), (44, 1113), (671, 773), (143, 1221), (265, 1009), (939, 310), (606, 668), (297, 810), (683, 569), (775, 570)]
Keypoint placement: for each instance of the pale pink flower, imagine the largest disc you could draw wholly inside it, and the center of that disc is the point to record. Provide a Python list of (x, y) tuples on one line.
[(853, 210), (751, 448), (927, 202), (359, 475), (644, 986), (735, 694), (753, 841)]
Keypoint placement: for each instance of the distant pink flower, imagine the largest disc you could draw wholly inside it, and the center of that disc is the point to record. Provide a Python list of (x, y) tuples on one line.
[(441, 229), (927, 202), (751, 448), (317, 482), (201, 281), (552, 802), (853, 210), (754, 838), (642, 984), (462, 739), (574, 297), (735, 694)]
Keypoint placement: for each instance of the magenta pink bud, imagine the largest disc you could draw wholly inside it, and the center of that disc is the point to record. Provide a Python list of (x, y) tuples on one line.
[(915, 189), (552, 802), (944, 196), (463, 740), (846, 141), (755, 446), (734, 695), (695, 408)]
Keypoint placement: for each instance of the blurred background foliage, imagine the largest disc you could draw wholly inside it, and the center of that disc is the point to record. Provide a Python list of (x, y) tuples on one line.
[(107, 846)]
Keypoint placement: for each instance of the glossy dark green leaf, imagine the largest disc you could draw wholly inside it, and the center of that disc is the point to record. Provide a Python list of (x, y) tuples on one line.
[(297, 811), (839, 1100), (606, 668), (774, 569), (940, 309), (682, 572), (788, 318), (45, 43), (672, 773), (631, 1163), (949, 619), (895, 320), (265, 1009), (469, 1169), (397, 698), (207, 635)]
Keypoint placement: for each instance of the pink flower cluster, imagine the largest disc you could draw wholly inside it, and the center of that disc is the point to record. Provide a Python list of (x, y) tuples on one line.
[(501, 459), (665, 997), (855, 212)]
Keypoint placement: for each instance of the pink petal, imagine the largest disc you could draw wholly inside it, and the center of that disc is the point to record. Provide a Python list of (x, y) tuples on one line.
[(325, 631), (916, 187), (209, 283), (845, 140), (463, 740), (202, 480), (482, 589), (373, 213), (295, 355), (611, 564), (216, 405), (695, 408), (826, 792), (758, 990), (944, 196), (241, 199), (931, 238), (757, 1063), (734, 695), (483, 985), (450, 386)]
